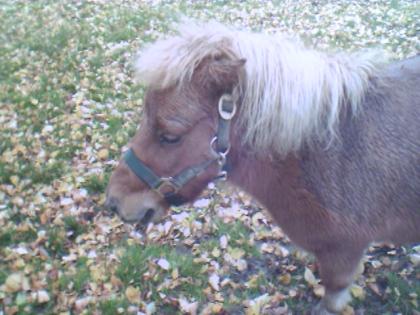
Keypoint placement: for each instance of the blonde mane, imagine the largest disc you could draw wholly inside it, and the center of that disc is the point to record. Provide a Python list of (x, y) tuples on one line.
[(289, 94)]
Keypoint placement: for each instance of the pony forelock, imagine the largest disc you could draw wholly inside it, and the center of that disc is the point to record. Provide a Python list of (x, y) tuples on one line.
[(289, 94)]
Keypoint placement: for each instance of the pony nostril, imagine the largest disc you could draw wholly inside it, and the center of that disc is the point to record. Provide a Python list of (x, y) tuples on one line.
[(148, 216), (112, 204)]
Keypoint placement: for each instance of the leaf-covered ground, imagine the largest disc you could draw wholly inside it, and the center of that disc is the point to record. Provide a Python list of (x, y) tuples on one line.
[(67, 108)]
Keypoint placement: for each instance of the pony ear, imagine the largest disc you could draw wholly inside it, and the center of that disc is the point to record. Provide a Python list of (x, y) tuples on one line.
[(225, 73)]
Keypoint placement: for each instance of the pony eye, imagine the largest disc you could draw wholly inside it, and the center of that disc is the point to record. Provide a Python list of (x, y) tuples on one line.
[(169, 139)]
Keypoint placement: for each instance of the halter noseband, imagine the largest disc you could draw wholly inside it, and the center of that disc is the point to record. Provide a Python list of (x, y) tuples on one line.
[(168, 187)]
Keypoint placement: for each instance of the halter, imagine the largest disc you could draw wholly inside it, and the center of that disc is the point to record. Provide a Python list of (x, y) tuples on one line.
[(168, 187)]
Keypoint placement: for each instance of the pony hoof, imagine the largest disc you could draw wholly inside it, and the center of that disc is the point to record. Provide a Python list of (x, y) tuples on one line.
[(320, 309)]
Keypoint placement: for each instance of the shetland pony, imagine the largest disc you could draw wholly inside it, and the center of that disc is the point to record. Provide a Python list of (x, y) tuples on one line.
[(328, 143)]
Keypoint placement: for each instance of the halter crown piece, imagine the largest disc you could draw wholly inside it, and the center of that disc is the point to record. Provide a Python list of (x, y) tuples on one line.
[(168, 187)]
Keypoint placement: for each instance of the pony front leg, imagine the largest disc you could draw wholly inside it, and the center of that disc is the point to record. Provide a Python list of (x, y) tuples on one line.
[(337, 270), (332, 303)]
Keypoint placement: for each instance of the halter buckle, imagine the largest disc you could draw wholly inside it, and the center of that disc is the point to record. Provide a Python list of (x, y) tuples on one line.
[(226, 107), (222, 176), (167, 186)]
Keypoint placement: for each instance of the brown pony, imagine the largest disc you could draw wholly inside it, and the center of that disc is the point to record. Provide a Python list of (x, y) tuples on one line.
[(328, 143)]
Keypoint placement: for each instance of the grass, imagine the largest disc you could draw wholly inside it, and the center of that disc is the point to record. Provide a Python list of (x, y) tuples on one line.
[(76, 280), (137, 260), (73, 226), (56, 241), (9, 236), (95, 184), (37, 175), (239, 235), (399, 290), (113, 306)]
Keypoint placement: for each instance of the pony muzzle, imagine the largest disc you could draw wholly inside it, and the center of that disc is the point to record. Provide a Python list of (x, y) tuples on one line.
[(144, 207)]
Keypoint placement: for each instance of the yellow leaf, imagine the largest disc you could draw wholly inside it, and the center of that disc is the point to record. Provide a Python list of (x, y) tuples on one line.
[(236, 253), (175, 273), (14, 282), (133, 294), (285, 279), (357, 291), (103, 154), (319, 290), (256, 305), (216, 308), (216, 252), (97, 273), (267, 248), (252, 282), (14, 179), (309, 277)]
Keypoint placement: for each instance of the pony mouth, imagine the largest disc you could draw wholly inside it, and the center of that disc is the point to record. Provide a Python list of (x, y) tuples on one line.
[(144, 220), (148, 216)]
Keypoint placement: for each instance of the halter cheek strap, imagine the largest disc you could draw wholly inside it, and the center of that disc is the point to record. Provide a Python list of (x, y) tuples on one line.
[(168, 187)]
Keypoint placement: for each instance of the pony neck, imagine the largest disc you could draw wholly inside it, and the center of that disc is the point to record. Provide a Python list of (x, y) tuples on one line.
[(270, 180), (279, 184)]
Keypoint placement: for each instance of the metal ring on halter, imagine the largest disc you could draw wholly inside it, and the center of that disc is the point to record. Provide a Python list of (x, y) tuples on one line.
[(212, 143), (226, 114), (221, 159)]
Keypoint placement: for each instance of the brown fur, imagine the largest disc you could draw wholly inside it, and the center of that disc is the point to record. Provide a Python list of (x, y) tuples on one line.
[(332, 202)]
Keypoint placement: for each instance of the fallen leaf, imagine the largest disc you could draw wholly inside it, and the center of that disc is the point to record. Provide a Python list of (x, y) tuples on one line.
[(285, 278), (267, 248), (164, 264), (133, 294), (175, 274), (319, 290), (348, 310), (214, 280), (215, 252), (82, 303), (150, 308), (309, 277), (42, 296), (103, 154), (415, 259), (236, 253), (357, 291), (188, 307), (375, 288), (256, 305), (223, 241), (14, 282), (201, 203)]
